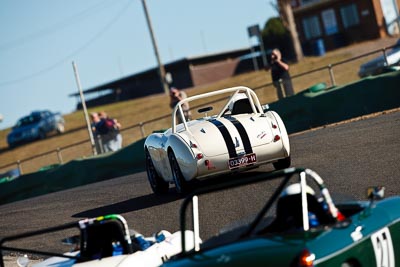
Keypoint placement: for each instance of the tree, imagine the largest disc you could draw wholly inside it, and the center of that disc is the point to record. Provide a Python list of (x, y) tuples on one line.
[(286, 14), (275, 35)]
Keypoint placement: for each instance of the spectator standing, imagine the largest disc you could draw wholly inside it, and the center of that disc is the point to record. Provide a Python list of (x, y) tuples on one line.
[(107, 132), (94, 116), (176, 96), (280, 74), (111, 136)]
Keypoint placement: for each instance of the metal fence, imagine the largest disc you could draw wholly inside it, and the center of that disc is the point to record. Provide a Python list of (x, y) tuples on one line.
[(136, 132)]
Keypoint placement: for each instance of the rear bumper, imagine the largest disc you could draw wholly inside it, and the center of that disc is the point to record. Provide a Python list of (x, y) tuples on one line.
[(218, 165)]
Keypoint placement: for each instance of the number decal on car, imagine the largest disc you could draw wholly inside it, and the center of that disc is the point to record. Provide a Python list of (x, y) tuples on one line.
[(383, 248)]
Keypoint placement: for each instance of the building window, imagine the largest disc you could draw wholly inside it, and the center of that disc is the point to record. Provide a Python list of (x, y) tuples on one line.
[(349, 15), (329, 21), (311, 27)]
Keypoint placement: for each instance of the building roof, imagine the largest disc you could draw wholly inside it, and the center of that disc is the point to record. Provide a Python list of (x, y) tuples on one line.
[(183, 62)]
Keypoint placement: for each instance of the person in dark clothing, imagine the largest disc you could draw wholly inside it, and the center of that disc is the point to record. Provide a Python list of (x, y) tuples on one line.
[(280, 74)]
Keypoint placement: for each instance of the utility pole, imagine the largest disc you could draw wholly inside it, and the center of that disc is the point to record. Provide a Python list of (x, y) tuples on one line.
[(254, 30), (161, 70), (89, 128)]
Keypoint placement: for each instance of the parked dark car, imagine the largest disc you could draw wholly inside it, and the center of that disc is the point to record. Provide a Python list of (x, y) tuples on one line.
[(35, 126)]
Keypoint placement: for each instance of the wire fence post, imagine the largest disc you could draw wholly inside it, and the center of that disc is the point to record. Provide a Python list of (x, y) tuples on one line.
[(99, 146), (59, 156), (333, 82), (142, 129), (385, 56), (281, 93), (19, 167)]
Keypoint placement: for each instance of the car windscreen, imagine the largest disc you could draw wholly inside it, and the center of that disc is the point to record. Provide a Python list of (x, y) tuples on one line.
[(31, 119)]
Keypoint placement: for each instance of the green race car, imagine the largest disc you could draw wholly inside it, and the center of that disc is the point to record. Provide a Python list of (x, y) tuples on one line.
[(299, 225)]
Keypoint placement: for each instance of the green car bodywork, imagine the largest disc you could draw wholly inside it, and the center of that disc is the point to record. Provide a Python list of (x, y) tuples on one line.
[(367, 235)]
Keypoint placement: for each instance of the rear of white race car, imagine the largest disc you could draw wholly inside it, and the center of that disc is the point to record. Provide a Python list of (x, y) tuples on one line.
[(232, 143)]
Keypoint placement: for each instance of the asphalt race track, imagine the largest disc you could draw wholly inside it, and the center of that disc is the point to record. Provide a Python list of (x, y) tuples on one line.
[(348, 156)]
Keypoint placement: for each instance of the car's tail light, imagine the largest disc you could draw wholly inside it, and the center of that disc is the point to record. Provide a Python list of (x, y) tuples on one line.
[(274, 126), (199, 156), (193, 145), (340, 217), (277, 138), (306, 258)]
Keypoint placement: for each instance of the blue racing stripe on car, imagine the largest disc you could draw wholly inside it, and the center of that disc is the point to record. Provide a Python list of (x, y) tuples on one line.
[(243, 134), (227, 137)]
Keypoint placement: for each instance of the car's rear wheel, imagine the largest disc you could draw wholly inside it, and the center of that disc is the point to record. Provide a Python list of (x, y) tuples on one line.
[(182, 186), (158, 185), (282, 163)]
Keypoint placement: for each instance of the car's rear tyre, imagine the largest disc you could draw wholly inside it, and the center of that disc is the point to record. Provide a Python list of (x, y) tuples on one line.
[(157, 184), (181, 185), (282, 163)]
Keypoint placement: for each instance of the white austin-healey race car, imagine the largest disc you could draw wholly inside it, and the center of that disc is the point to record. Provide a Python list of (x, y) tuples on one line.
[(240, 135)]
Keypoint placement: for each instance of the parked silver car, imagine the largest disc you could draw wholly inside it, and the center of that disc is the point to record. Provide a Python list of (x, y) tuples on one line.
[(379, 65)]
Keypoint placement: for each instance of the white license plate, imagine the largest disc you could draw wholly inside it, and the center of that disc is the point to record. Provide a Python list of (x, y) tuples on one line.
[(242, 161)]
